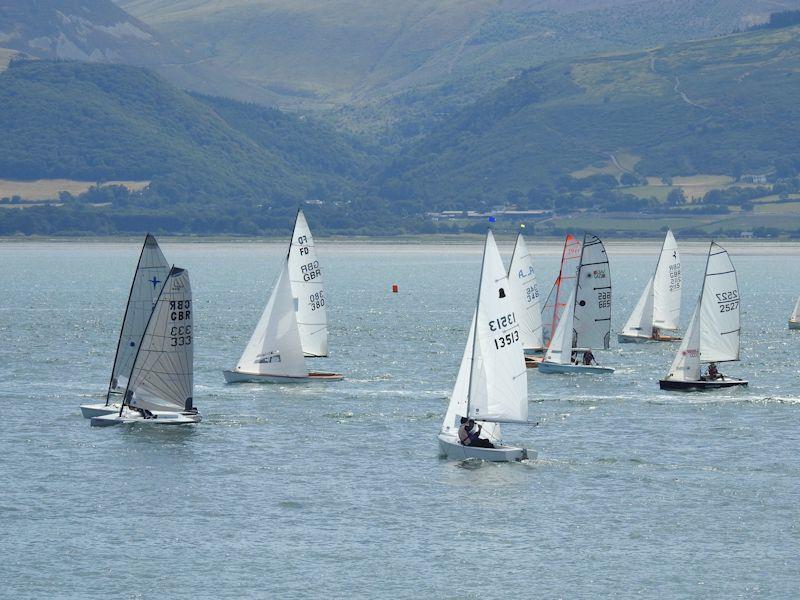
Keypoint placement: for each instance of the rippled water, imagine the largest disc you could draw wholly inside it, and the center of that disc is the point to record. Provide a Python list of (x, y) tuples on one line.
[(337, 490)]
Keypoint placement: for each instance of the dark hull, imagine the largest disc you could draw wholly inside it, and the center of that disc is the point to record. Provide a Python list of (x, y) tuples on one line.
[(699, 386)]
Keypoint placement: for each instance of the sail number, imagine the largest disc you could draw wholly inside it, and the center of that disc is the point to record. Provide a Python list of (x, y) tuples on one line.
[(532, 293), (180, 335), (316, 300), (728, 301), (180, 310), (604, 299), (674, 277), (507, 339), (502, 322), (311, 271)]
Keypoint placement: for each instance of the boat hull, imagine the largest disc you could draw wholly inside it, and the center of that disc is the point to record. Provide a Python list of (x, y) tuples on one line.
[(699, 386), (131, 417), (640, 339), (98, 410), (451, 448), (241, 377), (548, 367), (794, 324), (533, 362)]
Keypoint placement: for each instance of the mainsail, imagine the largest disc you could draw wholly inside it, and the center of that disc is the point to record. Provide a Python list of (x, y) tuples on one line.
[(306, 283), (592, 317), (796, 312), (522, 281), (640, 323), (275, 347), (162, 372), (562, 288), (667, 286), (560, 349), (151, 272), (492, 380), (713, 332)]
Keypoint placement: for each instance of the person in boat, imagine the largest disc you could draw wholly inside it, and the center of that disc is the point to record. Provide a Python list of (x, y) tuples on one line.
[(469, 436), (713, 372), (656, 333), (588, 358), (574, 358)]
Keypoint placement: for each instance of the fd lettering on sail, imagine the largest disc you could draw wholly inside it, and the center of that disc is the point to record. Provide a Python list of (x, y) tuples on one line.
[(311, 271)]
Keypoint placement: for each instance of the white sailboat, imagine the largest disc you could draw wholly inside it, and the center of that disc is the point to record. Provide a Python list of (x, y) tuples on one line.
[(159, 390), (562, 287), (586, 320), (274, 353), (525, 291), (151, 272), (492, 384), (306, 280), (713, 332), (794, 320), (659, 307)]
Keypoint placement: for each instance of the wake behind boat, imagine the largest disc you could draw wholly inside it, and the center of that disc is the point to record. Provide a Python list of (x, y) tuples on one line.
[(151, 272), (159, 390), (713, 333), (492, 384), (659, 306)]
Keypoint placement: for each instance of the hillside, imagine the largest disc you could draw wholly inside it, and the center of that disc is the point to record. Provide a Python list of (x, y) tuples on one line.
[(103, 122), (723, 106), (414, 60)]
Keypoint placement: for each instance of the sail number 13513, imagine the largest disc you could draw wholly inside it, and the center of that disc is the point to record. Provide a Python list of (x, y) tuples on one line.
[(501, 324)]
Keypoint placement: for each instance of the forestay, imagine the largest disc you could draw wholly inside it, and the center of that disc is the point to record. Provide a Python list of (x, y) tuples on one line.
[(492, 380), (307, 288), (592, 318), (162, 371), (522, 281), (560, 349), (151, 272), (275, 347), (562, 288), (667, 286)]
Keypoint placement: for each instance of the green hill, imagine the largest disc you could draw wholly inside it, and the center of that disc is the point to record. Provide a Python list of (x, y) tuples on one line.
[(723, 106)]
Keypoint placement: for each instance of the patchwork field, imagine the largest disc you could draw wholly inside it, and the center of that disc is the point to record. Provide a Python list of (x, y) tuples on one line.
[(48, 189)]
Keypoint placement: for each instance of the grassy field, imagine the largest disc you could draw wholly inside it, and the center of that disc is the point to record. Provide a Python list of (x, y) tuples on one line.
[(48, 189)]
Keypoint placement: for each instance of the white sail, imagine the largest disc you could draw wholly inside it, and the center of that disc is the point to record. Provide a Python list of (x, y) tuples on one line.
[(307, 288), (592, 318), (562, 288), (275, 347), (162, 372), (667, 286), (640, 323), (686, 365), (493, 364), (151, 272), (522, 281), (560, 349), (796, 312), (719, 312)]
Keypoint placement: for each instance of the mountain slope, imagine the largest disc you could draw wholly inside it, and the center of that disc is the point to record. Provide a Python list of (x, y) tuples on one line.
[(726, 105)]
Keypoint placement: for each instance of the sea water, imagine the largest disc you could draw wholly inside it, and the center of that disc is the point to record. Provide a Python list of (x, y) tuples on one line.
[(337, 490)]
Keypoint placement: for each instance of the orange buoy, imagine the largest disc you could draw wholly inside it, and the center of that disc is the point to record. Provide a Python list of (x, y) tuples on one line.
[(395, 289)]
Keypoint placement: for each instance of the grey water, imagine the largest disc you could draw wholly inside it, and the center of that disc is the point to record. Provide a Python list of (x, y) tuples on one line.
[(334, 490)]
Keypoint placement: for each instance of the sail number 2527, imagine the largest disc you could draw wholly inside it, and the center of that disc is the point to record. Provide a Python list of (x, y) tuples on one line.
[(728, 301)]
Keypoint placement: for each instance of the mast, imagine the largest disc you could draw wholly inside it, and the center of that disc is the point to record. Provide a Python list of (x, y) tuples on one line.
[(477, 316), (122, 326), (702, 290), (513, 254), (139, 348), (558, 289)]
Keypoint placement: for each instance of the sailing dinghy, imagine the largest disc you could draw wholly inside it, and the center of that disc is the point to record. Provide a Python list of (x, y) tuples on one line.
[(713, 332), (562, 288), (659, 307), (586, 320), (522, 283), (274, 353), (306, 280), (492, 383), (159, 390), (151, 272), (794, 320)]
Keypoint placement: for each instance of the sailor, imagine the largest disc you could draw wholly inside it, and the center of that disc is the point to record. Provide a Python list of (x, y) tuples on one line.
[(463, 432), (474, 436), (656, 333), (713, 372), (588, 358)]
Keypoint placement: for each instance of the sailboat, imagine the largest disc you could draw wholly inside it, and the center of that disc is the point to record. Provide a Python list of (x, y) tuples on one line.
[(492, 383), (794, 320), (151, 272), (306, 281), (522, 283), (159, 390), (275, 353), (713, 332), (586, 320), (659, 307), (562, 287)]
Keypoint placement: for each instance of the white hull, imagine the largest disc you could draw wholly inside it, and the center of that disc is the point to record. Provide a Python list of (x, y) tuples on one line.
[(451, 448), (794, 324), (130, 417), (632, 339), (240, 377), (549, 367), (98, 410)]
